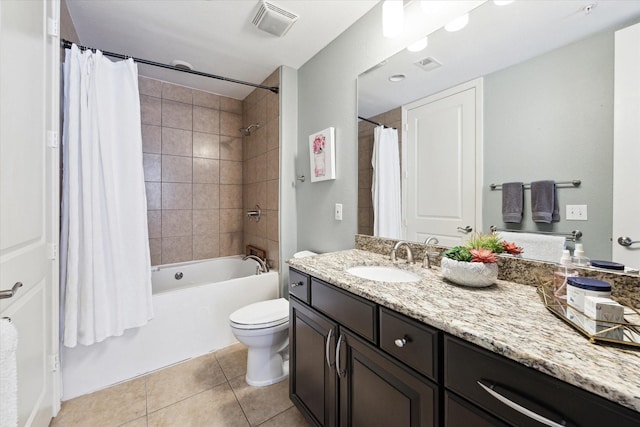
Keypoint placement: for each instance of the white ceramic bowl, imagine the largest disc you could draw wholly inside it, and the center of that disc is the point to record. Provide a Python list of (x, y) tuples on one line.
[(474, 274)]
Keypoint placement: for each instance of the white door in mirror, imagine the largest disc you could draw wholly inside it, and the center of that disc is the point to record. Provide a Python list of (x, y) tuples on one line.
[(626, 150), (442, 160)]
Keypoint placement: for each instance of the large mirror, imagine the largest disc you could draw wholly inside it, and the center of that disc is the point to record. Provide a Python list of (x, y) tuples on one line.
[(547, 104)]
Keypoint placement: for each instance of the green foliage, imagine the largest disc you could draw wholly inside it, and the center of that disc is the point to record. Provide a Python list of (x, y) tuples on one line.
[(458, 253), (486, 241)]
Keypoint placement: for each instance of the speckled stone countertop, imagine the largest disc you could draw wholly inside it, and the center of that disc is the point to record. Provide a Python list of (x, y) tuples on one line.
[(506, 318)]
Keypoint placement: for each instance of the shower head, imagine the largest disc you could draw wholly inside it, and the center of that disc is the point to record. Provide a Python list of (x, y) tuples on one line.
[(247, 131)]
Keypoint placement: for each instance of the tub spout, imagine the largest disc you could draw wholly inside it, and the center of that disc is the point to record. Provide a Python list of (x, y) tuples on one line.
[(262, 267)]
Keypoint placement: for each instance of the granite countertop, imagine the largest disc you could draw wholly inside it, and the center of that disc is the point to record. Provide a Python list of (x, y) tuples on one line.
[(506, 318)]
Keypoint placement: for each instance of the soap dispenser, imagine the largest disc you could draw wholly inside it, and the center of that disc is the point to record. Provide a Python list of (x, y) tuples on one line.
[(579, 259), (563, 271)]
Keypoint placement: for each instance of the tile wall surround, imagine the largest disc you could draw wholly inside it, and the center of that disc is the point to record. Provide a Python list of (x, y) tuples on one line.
[(624, 287), (391, 118), (202, 176), (261, 169)]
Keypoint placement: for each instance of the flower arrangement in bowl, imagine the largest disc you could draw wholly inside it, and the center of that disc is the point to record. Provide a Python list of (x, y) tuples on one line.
[(474, 264)]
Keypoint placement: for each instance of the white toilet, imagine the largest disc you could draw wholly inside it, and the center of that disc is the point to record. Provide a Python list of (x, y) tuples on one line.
[(264, 328)]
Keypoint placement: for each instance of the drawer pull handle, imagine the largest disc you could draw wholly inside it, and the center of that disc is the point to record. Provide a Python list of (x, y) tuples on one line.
[(524, 411), (341, 373), (294, 284), (401, 342), (326, 349)]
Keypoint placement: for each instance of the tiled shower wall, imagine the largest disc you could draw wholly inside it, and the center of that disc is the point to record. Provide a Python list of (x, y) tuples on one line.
[(193, 157), (392, 118), (261, 168)]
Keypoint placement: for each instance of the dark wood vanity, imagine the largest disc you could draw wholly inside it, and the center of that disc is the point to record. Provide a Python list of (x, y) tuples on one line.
[(354, 362)]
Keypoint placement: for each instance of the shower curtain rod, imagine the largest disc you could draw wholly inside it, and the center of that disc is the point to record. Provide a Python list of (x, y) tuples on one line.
[(67, 45), (375, 123)]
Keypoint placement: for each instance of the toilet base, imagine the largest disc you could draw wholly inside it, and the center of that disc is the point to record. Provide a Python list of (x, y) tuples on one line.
[(275, 371)]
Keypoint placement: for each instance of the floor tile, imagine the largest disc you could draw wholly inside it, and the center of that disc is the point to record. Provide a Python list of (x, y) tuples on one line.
[(178, 382), (261, 403), (110, 407), (233, 360), (292, 417), (211, 408), (140, 422)]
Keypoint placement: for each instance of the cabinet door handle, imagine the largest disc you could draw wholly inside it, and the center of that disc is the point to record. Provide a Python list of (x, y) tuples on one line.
[(294, 284), (327, 349), (524, 411), (341, 373)]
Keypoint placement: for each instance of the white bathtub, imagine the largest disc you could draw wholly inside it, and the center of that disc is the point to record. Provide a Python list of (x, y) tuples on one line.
[(191, 318)]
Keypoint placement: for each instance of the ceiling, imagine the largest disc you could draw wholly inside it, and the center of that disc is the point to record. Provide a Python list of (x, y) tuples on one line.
[(495, 38), (215, 36)]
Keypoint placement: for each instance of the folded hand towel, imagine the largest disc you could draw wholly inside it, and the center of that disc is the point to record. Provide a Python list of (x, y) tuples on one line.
[(544, 202), (541, 247), (512, 202)]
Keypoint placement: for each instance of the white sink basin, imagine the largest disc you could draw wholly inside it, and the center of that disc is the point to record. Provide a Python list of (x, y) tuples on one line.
[(383, 274)]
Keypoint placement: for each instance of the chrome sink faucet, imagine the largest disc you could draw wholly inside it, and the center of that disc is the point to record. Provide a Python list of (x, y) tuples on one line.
[(262, 266), (426, 262), (408, 249)]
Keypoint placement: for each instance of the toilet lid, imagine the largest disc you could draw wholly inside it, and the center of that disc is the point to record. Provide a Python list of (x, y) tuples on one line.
[(262, 314)]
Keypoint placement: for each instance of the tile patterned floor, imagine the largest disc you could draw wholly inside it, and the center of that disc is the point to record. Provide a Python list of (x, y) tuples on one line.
[(206, 391)]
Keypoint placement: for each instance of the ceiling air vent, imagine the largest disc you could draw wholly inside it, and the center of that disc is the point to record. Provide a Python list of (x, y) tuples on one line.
[(428, 63), (274, 19)]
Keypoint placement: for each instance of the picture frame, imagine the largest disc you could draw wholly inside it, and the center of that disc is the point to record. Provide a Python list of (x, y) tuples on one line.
[(322, 155)]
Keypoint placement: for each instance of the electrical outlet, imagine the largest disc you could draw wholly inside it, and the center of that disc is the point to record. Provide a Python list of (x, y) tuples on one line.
[(338, 211), (576, 212)]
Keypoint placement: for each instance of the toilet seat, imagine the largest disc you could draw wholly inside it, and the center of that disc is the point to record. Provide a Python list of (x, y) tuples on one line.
[(261, 315)]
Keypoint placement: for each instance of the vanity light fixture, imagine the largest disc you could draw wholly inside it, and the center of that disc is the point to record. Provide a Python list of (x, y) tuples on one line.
[(457, 24), (392, 18), (397, 77), (418, 45)]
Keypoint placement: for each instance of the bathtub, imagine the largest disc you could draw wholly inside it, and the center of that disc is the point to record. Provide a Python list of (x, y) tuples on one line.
[(191, 318)]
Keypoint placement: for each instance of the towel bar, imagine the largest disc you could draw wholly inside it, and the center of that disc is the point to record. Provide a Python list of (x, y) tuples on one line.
[(573, 183), (574, 236)]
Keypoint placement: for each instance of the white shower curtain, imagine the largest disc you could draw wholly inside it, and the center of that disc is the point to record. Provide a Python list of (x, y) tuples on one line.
[(385, 186), (105, 262)]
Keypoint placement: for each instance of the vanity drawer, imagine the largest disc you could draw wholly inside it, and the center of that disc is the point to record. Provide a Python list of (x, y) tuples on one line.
[(419, 348), (465, 365), (299, 285), (349, 310)]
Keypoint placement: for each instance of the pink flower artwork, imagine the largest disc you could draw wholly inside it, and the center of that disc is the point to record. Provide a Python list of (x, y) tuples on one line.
[(319, 158), (322, 155)]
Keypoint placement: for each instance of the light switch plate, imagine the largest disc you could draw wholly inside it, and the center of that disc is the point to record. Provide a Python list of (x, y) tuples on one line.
[(576, 213), (338, 212)]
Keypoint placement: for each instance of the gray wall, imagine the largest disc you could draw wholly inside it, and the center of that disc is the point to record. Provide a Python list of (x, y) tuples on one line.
[(552, 118), (327, 96), (288, 149)]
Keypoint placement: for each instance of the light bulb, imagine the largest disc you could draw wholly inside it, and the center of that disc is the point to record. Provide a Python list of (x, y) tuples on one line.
[(392, 18)]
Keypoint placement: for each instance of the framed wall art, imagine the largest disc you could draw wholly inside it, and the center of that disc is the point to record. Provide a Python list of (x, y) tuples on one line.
[(322, 155)]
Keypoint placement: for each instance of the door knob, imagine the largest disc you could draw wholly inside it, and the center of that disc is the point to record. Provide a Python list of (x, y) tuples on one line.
[(10, 292), (467, 229), (626, 241)]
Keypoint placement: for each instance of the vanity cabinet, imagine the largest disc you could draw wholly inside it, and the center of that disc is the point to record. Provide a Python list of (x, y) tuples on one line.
[(493, 387), (355, 363), (338, 373)]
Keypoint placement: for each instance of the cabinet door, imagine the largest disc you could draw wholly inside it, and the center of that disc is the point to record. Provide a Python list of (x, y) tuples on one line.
[(459, 413), (312, 374), (375, 391)]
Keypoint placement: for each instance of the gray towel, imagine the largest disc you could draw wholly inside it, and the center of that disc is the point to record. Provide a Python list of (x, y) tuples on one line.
[(512, 202), (544, 202)]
